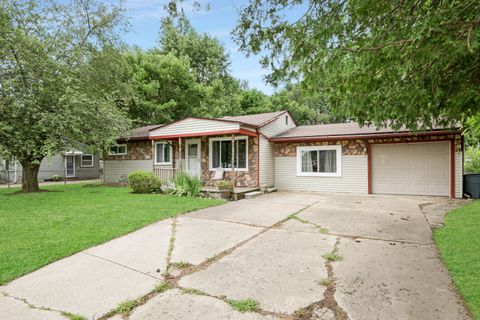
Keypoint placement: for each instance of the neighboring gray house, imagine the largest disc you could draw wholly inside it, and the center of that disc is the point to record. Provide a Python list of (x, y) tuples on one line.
[(77, 163)]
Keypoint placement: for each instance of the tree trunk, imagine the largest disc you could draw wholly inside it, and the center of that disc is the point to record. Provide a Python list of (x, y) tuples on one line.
[(30, 176)]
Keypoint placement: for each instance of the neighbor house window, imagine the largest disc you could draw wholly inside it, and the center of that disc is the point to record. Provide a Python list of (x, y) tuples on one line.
[(118, 150), (86, 161), (221, 153), (319, 161), (163, 153)]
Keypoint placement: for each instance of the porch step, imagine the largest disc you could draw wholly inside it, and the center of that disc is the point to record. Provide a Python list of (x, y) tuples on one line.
[(253, 194), (270, 190)]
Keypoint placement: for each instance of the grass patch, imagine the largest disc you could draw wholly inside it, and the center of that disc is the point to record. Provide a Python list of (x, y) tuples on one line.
[(193, 291), (332, 256), (247, 305), (322, 230), (181, 265), (326, 282), (126, 306), (161, 287), (459, 243), (72, 316), (39, 228)]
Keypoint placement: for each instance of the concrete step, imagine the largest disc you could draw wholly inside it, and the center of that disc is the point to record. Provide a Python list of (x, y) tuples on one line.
[(271, 189), (253, 194)]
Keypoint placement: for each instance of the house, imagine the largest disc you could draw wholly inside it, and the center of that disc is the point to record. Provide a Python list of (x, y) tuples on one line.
[(269, 149), (77, 163)]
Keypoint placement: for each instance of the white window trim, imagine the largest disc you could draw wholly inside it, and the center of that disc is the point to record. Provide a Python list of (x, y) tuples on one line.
[(87, 166), (117, 154), (163, 163), (210, 152), (338, 148)]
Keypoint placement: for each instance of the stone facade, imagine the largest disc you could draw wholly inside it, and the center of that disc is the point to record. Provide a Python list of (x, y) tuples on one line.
[(136, 150), (242, 178), (349, 147), (359, 147)]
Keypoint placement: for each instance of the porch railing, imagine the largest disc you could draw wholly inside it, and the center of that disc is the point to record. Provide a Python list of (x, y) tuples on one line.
[(166, 173)]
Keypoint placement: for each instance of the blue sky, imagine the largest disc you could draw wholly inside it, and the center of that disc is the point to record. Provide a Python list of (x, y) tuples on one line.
[(219, 21)]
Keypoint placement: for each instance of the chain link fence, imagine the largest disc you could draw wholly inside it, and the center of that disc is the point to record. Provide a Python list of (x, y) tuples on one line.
[(13, 177)]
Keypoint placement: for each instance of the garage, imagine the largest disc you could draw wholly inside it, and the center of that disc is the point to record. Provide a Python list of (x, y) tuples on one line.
[(411, 168)]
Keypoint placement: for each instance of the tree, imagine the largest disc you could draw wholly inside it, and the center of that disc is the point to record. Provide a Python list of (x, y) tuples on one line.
[(412, 63), (164, 87), (61, 79)]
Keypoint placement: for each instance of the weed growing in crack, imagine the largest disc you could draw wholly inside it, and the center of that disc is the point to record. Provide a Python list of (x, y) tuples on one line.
[(326, 282), (161, 287), (322, 230), (332, 256), (73, 316), (193, 291), (126, 306), (181, 265), (247, 305)]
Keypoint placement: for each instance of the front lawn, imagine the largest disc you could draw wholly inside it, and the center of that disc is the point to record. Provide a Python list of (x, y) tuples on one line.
[(459, 244), (36, 229)]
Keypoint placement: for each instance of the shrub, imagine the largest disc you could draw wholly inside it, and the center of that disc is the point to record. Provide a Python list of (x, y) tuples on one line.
[(144, 182), (56, 177), (186, 185), (472, 160), (225, 185)]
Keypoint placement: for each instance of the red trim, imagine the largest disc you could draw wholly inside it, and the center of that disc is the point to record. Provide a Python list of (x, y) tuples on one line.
[(369, 169), (364, 136), (211, 133), (452, 168)]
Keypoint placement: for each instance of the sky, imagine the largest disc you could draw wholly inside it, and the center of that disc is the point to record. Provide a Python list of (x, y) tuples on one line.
[(219, 21)]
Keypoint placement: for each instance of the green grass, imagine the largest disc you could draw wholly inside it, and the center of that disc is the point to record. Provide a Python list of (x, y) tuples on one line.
[(39, 228), (247, 305), (332, 256), (459, 243), (161, 287)]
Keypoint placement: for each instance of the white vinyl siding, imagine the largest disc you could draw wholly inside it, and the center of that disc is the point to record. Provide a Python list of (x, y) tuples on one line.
[(192, 126), (267, 166), (278, 126), (115, 169), (411, 168), (458, 175), (354, 177)]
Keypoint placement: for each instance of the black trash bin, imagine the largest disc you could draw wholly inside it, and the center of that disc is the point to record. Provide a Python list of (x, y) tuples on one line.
[(471, 185)]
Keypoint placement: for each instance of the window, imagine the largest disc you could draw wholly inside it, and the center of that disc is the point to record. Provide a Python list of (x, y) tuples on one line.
[(86, 161), (319, 161), (163, 153), (118, 150), (221, 153)]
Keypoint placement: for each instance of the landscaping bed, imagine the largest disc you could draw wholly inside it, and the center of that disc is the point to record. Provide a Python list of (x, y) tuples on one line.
[(459, 245), (39, 228)]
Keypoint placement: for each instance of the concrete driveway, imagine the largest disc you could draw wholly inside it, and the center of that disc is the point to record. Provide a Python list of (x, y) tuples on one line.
[(272, 249)]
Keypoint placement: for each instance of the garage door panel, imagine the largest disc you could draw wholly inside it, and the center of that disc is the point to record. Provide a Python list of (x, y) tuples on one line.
[(415, 168)]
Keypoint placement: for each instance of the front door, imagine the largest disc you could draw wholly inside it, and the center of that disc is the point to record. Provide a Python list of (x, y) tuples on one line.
[(192, 157), (70, 166)]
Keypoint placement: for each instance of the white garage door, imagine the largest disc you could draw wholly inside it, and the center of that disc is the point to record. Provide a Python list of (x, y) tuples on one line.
[(411, 168)]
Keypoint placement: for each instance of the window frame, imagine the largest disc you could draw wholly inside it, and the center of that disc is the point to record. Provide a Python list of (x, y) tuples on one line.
[(156, 154), (337, 148), (210, 152), (117, 154), (87, 166)]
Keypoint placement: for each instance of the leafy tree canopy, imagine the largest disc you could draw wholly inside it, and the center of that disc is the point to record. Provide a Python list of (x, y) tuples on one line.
[(61, 79), (412, 63)]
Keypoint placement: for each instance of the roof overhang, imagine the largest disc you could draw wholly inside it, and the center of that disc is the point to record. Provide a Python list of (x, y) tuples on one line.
[(206, 133), (72, 153), (364, 136)]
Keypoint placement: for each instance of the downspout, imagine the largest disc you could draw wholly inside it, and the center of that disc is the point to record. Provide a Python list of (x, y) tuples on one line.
[(233, 159)]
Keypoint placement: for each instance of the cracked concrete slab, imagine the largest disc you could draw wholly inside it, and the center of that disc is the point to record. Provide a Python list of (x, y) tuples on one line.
[(13, 309), (394, 281), (144, 250), (280, 269), (250, 212), (175, 305), (363, 222), (81, 284), (285, 197), (297, 226), (197, 239), (435, 212)]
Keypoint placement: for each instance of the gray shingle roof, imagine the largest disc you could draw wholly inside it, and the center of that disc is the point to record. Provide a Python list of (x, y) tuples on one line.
[(256, 120), (142, 132)]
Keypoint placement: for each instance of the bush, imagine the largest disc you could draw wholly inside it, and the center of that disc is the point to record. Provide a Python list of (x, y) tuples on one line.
[(185, 185), (225, 185), (472, 160), (144, 182)]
